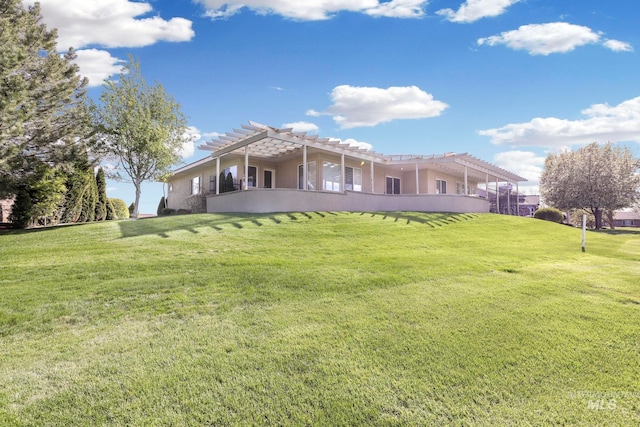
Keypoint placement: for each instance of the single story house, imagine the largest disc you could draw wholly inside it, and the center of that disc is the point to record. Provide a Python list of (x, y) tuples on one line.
[(261, 169), (626, 219)]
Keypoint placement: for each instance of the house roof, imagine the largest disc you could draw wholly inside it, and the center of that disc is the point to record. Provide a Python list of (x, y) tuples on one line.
[(626, 215), (269, 142)]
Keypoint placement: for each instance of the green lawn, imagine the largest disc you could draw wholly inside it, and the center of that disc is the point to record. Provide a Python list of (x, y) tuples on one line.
[(320, 318)]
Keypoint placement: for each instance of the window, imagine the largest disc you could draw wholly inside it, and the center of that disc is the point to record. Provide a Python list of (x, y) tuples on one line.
[(353, 179), (459, 188), (252, 179), (195, 185), (331, 176), (311, 176), (267, 182), (441, 186), (228, 179), (393, 185), (170, 187)]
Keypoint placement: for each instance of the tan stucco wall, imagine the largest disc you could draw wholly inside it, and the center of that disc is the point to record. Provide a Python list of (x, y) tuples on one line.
[(287, 200)]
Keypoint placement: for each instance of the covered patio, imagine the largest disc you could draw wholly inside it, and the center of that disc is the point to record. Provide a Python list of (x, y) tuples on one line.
[(279, 170)]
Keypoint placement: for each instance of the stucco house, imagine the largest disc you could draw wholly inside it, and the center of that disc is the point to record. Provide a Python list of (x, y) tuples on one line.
[(626, 219), (262, 169)]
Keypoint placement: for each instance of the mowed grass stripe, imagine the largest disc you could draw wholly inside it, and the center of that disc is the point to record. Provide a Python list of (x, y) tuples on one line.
[(319, 318)]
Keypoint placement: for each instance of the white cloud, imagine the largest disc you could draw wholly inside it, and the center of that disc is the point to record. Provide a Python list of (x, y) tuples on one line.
[(110, 23), (554, 37), (527, 164), (369, 106), (618, 46), (97, 65), (302, 127), (190, 137), (398, 9), (524, 163), (360, 144), (603, 123), (473, 10), (315, 10), (544, 39)]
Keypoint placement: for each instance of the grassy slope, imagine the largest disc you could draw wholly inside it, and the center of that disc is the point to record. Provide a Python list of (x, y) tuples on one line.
[(320, 318)]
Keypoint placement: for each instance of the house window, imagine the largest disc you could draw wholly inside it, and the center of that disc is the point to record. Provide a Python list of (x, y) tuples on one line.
[(311, 176), (228, 179), (170, 187), (459, 188), (195, 185), (353, 179), (252, 179), (393, 185), (267, 181), (441, 186), (331, 176)]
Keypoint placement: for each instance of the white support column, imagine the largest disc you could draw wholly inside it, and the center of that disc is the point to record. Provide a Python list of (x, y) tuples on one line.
[(508, 198), (486, 186), (304, 167), (466, 182), (417, 180), (517, 199), (342, 184), (217, 175), (245, 184), (372, 178), (497, 195)]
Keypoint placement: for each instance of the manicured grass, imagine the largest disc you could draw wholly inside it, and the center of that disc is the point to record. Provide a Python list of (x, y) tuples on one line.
[(320, 318)]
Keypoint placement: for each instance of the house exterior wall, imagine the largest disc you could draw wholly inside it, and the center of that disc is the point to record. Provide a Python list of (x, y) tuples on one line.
[(286, 177), (288, 200)]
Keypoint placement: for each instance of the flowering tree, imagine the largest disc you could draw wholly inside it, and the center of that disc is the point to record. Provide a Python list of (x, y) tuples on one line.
[(595, 178)]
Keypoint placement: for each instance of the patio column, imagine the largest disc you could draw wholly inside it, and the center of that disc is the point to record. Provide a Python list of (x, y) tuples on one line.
[(342, 187), (508, 198), (466, 182), (217, 175), (245, 184), (517, 199), (417, 181), (486, 186), (304, 167), (372, 180), (497, 195)]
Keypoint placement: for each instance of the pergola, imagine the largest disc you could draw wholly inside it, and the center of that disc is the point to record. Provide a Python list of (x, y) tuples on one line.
[(261, 141)]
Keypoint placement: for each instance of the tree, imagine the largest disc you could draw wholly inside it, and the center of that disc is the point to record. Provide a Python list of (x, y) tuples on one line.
[(141, 127), (101, 202), (119, 208), (80, 184), (40, 196), (43, 114), (595, 178)]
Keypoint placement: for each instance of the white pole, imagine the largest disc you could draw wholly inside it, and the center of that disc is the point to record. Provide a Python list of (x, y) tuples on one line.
[(304, 167), (217, 175), (246, 167), (584, 232), (343, 180), (372, 180)]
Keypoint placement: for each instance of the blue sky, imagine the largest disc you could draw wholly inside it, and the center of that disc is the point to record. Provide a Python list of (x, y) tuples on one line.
[(505, 80)]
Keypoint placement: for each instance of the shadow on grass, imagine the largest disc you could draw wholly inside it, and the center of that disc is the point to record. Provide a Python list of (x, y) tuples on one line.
[(162, 226), (433, 220)]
